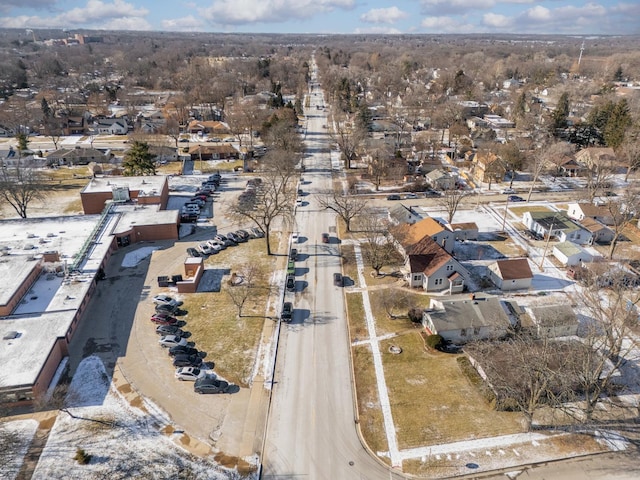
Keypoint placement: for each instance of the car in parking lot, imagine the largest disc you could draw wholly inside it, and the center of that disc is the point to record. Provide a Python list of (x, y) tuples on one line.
[(182, 360), (507, 191), (190, 374), (293, 254), (192, 252), (183, 350), (325, 238), (393, 197), (170, 310), (338, 279), (299, 202), (169, 330), (209, 384), (411, 195), (295, 237), (234, 238), (515, 198), (287, 312), (257, 232), (165, 299), (206, 249), (172, 341), (198, 201), (431, 193), (216, 244), (243, 234), (164, 319)]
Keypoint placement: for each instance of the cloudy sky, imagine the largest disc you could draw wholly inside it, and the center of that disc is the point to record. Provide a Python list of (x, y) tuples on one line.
[(330, 16)]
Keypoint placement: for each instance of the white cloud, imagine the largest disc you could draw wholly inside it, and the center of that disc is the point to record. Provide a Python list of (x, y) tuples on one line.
[(224, 12), (457, 7), (443, 24), (496, 20), (184, 24), (538, 13), (383, 15), (378, 31), (118, 15)]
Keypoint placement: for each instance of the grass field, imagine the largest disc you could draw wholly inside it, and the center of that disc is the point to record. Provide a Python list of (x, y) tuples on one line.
[(232, 341), (432, 402)]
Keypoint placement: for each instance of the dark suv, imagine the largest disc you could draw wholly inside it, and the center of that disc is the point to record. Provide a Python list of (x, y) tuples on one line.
[(338, 279), (291, 283), (287, 311)]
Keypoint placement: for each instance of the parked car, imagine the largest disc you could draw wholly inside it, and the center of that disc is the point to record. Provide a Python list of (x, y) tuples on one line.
[(431, 193), (299, 202), (198, 201), (190, 374), (192, 252), (206, 249), (217, 244), (172, 341), (515, 198), (166, 300), (210, 385), (187, 361), (169, 330), (293, 254), (182, 349), (393, 197), (257, 232), (411, 195), (287, 312), (291, 283), (234, 238), (337, 279), (170, 310), (325, 238), (243, 234), (186, 217), (507, 191), (224, 240), (164, 319), (295, 237)]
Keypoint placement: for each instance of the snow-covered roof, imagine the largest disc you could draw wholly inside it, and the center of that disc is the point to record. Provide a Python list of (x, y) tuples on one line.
[(145, 183), (136, 215), (17, 268)]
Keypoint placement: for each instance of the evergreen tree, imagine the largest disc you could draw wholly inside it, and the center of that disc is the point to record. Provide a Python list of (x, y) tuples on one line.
[(561, 113), (138, 160)]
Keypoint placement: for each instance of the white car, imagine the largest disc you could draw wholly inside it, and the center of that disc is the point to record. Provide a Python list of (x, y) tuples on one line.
[(172, 341), (294, 237), (206, 249), (164, 300), (218, 245), (299, 202), (507, 191), (190, 374)]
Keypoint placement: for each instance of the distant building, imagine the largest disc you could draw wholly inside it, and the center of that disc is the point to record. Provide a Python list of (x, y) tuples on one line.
[(511, 274), (145, 190)]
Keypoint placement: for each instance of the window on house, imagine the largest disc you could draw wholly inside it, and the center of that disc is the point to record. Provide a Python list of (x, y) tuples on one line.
[(416, 277), (463, 332), (476, 331)]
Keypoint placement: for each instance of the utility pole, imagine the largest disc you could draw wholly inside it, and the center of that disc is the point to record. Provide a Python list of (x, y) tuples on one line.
[(504, 217), (546, 245)]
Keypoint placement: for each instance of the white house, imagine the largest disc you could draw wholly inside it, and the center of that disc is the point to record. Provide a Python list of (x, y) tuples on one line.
[(581, 211), (432, 268), (511, 274), (112, 126), (556, 224), (401, 214), (462, 319), (570, 254)]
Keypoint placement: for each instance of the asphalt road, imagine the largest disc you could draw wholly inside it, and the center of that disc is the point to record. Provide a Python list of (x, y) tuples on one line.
[(311, 430)]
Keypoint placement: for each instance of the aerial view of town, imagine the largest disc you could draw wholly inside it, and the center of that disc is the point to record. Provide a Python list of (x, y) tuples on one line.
[(355, 253)]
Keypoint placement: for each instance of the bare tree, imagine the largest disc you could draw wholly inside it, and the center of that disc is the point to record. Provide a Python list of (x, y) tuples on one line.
[(243, 285), (378, 248), (273, 199), (630, 150), (450, 201), (349, 138), (611, 318), (599, 175), (20, 185), (622, 213), (542, 158), (381, 163), (393, 300), (347, 206)]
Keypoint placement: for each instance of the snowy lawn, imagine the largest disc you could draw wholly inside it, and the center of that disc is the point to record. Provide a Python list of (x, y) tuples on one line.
[(15, 438), (122, 441)]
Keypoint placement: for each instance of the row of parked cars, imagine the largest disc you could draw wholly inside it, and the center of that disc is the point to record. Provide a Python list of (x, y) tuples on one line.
[(191, 209), (222, 241), (186, 357)]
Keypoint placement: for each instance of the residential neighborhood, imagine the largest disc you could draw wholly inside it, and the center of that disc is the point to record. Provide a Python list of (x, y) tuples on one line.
[(321, 232)]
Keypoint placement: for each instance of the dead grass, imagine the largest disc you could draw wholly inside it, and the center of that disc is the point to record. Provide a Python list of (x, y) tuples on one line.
[(507, 247), (349, 266), (73, 207), (231, 341), (355, 313), (385, 324), (519, 211), (370, 415), (432, 401), (170, 168)]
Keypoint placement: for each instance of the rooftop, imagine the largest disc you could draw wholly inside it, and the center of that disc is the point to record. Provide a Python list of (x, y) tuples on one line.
[(461, 312), (143, 184)]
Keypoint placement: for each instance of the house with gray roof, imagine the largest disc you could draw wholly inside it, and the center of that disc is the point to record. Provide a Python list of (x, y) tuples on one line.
[(558, 225), (570, 254), (466, 318)]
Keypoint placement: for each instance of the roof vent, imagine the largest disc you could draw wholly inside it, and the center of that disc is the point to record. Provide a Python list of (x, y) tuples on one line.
[(12, 335)]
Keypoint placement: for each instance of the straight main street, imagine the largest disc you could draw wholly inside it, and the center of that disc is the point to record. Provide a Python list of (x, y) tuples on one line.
[(311, 430)]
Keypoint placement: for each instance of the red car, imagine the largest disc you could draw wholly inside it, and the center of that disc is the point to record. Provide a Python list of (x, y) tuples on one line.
[(162, 319)]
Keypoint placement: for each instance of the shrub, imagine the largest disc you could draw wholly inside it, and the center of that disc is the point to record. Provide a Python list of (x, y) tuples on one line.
[(415, 314), (82, 457), (435, 341)]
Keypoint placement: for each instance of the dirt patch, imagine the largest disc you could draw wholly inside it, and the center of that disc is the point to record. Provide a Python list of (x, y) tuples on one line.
[(229, 461), (168, 429), (125, 388), (47, 423)]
